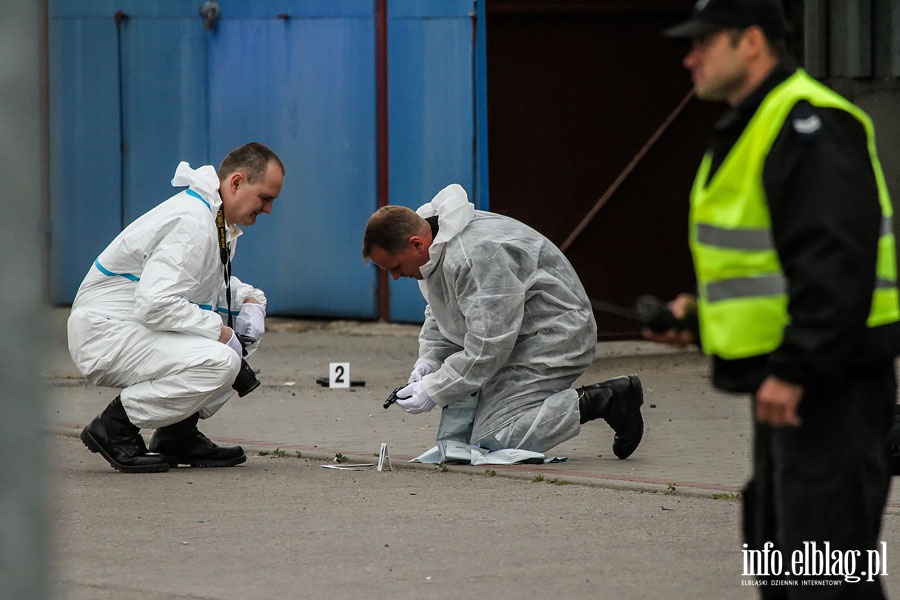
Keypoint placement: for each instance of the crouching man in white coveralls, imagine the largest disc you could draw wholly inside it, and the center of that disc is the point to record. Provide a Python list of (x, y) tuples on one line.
[(152, 314), (506, 317)]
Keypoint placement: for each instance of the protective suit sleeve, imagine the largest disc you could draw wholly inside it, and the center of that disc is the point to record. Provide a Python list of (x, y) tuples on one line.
[(241, 291), (433, 346), (171, 274), (492, 299)]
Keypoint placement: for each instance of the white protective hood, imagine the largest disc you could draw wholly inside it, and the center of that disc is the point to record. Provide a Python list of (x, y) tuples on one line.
[(204, 180), (452, 205)]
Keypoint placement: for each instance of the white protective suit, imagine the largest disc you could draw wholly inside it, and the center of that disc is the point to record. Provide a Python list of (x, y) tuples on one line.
[(148, 315), (507, 317)]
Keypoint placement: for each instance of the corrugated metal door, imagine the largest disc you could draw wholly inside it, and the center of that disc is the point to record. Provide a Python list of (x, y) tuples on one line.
[(430, 114), (163, 99), (577, 92), (300, 77), (137, 86), (85, 184)]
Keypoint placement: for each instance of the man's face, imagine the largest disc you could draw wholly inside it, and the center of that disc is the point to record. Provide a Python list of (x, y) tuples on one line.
[(244, 201), (717, 66), (406, 263)]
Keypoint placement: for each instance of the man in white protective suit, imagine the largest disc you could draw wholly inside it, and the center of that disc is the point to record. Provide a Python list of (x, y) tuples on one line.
[(508, 328), (153, 317)]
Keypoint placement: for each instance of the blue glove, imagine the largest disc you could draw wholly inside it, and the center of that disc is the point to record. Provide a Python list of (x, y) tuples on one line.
[(251, 321), (413, 398)]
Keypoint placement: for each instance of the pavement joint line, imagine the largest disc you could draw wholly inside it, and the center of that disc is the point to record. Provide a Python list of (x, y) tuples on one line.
[(526, 472)]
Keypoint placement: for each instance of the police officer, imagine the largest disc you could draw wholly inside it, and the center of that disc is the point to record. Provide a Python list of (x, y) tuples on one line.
[(798, 302)]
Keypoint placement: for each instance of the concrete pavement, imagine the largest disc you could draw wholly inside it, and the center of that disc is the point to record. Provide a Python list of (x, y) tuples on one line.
[(663, 523), (696, 439)]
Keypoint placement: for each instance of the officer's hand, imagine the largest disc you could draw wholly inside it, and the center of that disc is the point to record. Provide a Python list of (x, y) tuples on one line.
[(777, 401), (683, 306), (420, 370), (251, 321), (413, 398), (680, 338)]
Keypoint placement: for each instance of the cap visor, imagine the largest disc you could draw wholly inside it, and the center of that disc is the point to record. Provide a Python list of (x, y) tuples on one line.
[(691, 29)]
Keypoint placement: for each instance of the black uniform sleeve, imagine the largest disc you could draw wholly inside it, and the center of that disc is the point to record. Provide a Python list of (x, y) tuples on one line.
[(826, 218)]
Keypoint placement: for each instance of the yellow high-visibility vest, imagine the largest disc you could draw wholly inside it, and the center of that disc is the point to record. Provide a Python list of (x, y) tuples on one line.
[(742, 298)]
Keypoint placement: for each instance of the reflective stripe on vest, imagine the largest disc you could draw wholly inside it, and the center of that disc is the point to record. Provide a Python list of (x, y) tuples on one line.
[(742, 289)]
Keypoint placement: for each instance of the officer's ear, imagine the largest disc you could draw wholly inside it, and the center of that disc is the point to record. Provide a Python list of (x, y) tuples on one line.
[(754, 41)]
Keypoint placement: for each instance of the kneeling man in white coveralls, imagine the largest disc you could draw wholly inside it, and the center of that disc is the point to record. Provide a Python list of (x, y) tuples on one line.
[(160, 316), (508, 328)]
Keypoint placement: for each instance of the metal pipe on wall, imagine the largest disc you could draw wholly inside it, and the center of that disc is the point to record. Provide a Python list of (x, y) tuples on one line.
[(381, 142)]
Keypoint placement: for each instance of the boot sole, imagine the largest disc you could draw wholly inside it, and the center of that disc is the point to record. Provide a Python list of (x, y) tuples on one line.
[(174, 461), (639, 392), (94, 446)]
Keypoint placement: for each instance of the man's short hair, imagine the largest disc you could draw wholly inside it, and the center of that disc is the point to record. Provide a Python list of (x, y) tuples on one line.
[(390, 228), (250, 159)]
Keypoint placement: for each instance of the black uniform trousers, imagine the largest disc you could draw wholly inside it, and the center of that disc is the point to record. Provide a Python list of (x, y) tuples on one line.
[(825, 481)]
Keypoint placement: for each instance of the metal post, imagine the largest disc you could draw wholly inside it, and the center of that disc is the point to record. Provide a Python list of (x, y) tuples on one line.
[(23, 525), (381, 118), (815, 38)]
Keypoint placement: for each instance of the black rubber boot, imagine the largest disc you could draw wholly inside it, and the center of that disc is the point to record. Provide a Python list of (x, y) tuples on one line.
[(183, 444), (120, 443), (618, 401)]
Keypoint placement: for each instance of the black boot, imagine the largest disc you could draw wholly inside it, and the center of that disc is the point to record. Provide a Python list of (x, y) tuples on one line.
[(120, 443), (182, 443), (618, 401)]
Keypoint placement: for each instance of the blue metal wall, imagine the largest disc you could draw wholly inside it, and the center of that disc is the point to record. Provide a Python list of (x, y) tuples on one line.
[(130, 100), (306, 85), (85, 184), (430, 113)]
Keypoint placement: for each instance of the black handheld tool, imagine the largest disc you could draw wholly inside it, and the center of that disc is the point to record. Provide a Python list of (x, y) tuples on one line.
[(651, 312), (393, 397)]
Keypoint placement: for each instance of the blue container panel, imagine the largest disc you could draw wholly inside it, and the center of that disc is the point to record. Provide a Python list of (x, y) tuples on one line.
[(296, 75), (431, 115), (106, 9), (306, 88), (85, 183), (292, 9), (164, 106), (429, 9)]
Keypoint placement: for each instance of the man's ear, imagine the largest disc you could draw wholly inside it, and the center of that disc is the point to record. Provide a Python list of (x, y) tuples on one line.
[(235, 180), (755, 40)]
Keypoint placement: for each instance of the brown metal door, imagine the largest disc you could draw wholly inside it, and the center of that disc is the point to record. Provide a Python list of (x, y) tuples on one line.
[(575, 92)]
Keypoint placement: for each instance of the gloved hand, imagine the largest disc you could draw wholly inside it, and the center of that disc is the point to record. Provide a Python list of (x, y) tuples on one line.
[(413, 398), (235, 344), (420, 370), (251, 321)]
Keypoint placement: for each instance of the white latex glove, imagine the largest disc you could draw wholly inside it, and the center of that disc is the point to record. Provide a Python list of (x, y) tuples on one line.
[(235, 344), (251, 321), (413, 398), (420, 370)]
